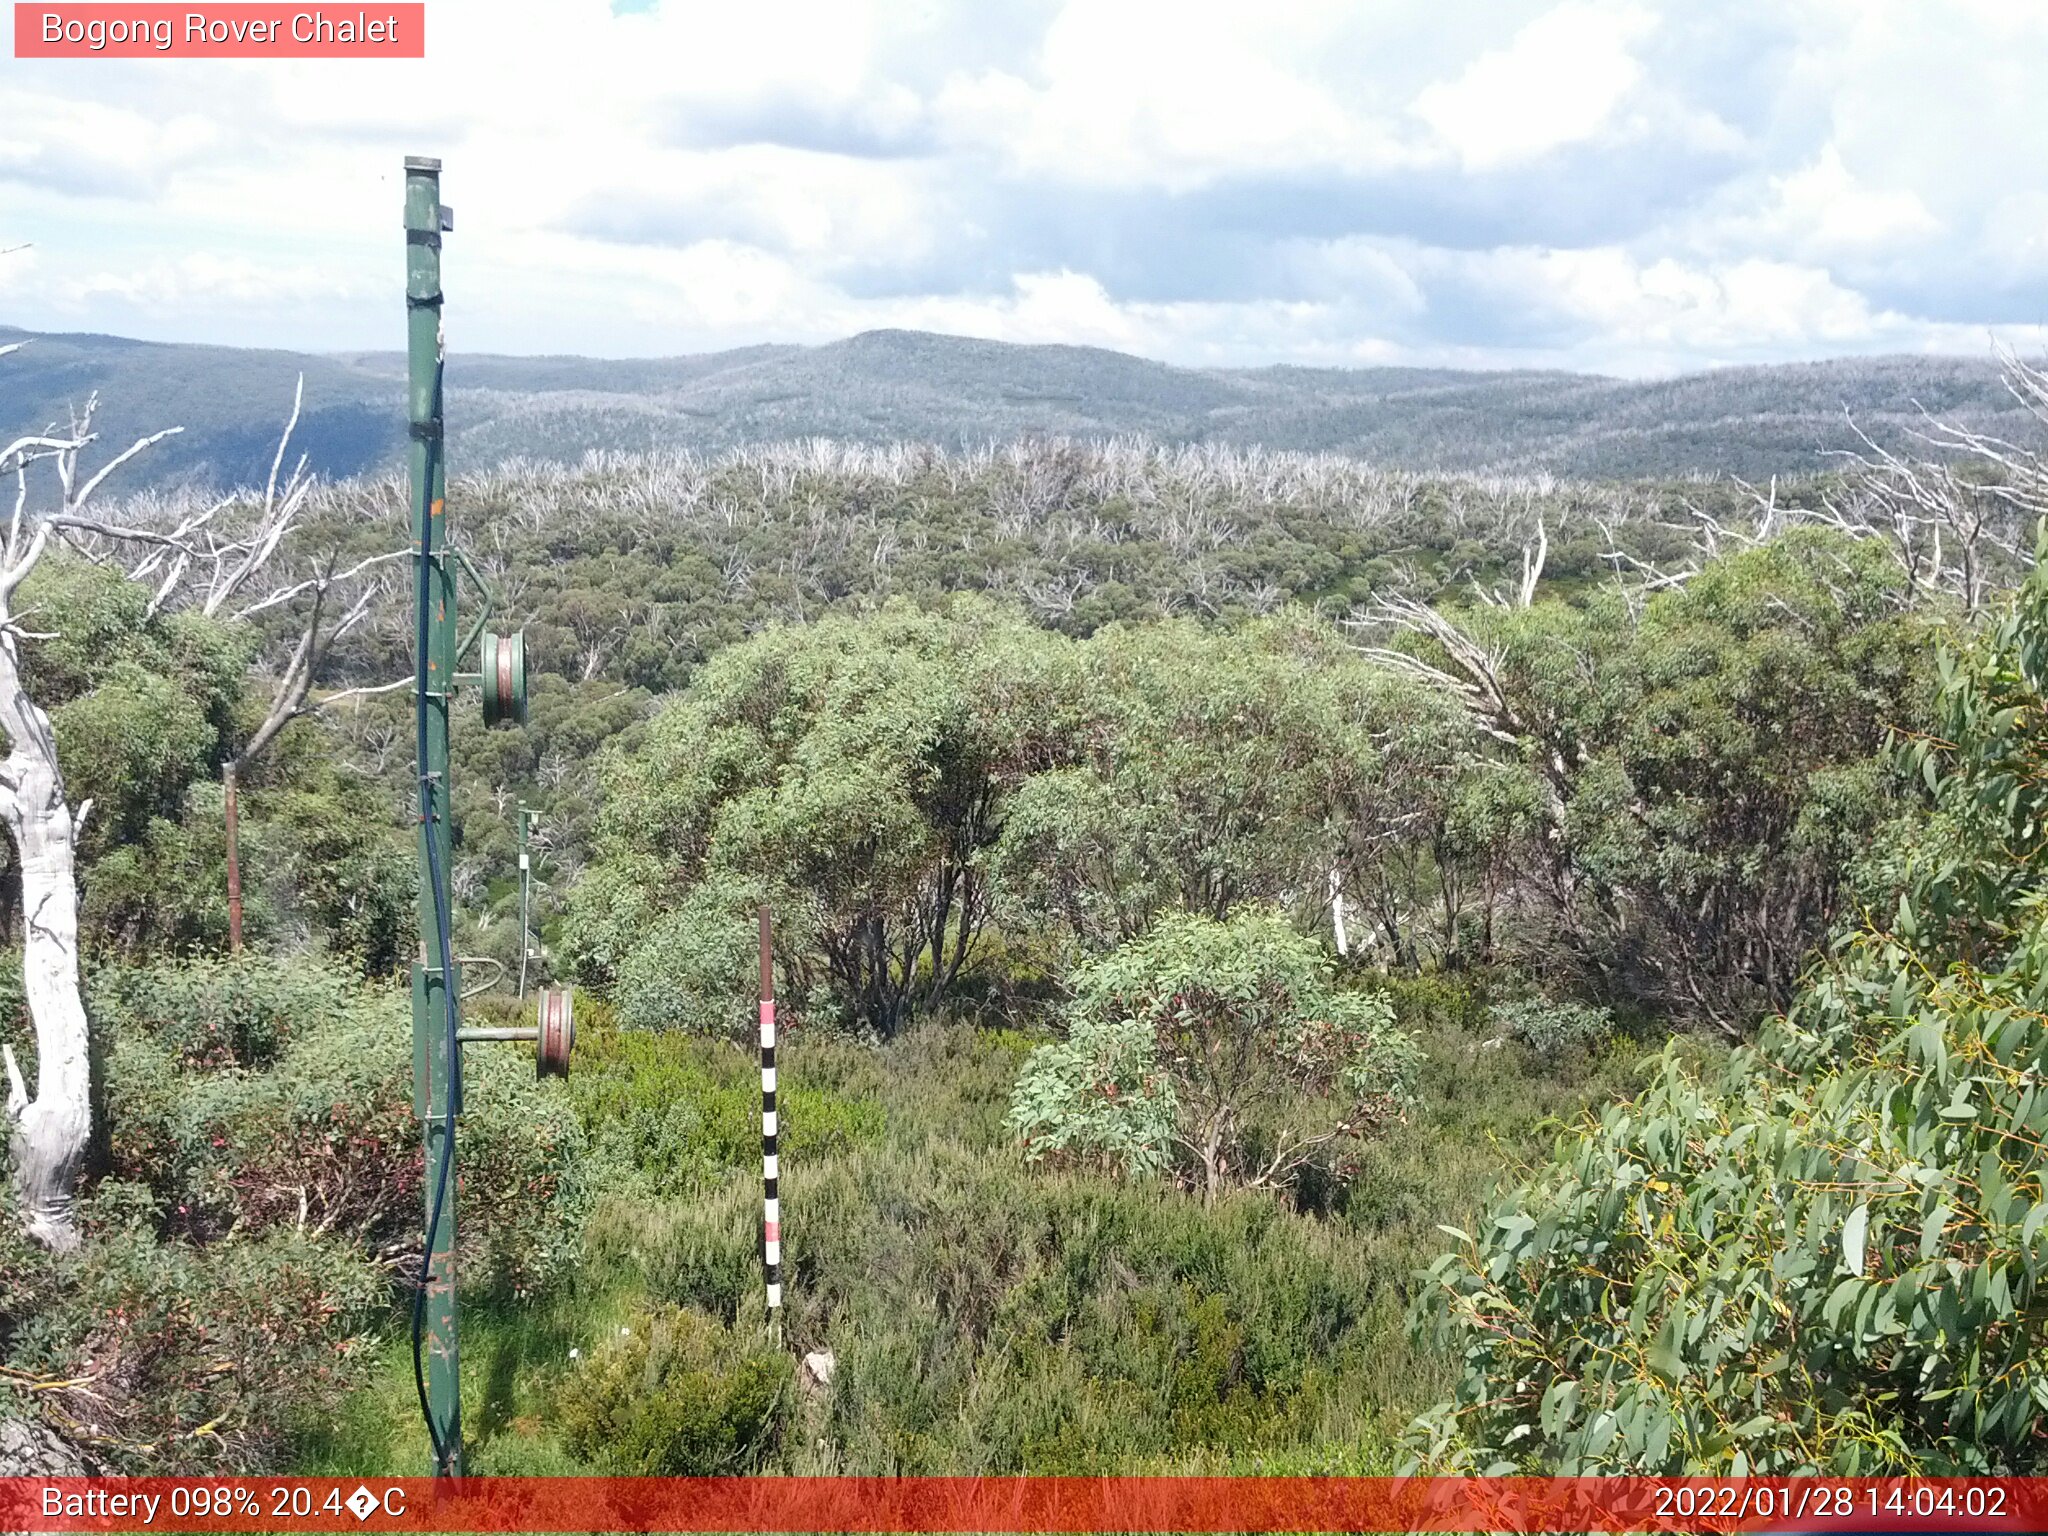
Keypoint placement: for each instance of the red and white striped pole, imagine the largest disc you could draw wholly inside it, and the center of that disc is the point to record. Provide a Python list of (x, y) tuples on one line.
[(771, 1205)]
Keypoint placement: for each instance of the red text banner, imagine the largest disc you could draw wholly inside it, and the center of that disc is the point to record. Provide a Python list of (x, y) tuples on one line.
[(229, 31), (1023, 1504)]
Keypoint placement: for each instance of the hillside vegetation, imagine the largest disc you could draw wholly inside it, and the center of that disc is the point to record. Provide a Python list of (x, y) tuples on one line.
[(1246, 922), (885, 387)]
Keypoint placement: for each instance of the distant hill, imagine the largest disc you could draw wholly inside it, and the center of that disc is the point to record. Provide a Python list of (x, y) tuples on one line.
[(891, 385)]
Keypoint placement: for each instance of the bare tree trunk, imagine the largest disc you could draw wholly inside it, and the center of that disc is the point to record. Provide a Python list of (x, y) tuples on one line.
[(227, 779), (49, 1131), (1212, 1162), (1337, 912)]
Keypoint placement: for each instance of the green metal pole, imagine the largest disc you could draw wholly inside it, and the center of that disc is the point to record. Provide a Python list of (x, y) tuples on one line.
[(525, 895), (433, 993)]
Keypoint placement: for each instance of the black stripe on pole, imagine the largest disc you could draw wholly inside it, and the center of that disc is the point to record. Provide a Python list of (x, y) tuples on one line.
[(771, 1167)]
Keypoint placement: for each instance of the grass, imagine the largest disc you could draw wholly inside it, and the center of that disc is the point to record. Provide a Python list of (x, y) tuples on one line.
[(986, 1317)]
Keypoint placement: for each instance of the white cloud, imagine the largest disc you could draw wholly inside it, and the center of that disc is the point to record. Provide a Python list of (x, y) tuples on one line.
[(1208, 181), (1558, 82), (203, 278), (1832, 211), (1158, 93), (96, 148), (1658, 315)]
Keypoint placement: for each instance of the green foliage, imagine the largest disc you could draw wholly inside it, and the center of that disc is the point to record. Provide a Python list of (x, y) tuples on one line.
[(319, 851), (261, 1094), (852, 771), (263, 1166), (1435, 999), (239, 1012), (986, 1315), (984, 1321), (1098, 1096), (1225, 1042), (1829, 1259), (131, 745), (896, 784), (675, 1394), (1200, 772), (1707, 770), (145, 708), (141, 706), (171, 1357), (1552, 1028), (659, 1119), (951, 807)]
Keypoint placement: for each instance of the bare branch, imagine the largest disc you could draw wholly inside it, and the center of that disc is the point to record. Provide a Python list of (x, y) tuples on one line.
[(25, 450), (327, 700), (72, 502), (286, 594)]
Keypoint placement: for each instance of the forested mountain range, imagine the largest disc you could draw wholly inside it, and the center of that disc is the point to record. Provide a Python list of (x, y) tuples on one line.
[(891, 386)]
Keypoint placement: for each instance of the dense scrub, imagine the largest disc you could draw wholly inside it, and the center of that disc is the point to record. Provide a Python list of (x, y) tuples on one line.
[(983, 1315), (1220, 1047), (146, 708), (1829, 1258), (1135, 834), (1657, 806), (258, 1195)]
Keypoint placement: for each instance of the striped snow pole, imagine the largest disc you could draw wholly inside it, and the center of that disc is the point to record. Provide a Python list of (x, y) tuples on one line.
[(771, 1205)]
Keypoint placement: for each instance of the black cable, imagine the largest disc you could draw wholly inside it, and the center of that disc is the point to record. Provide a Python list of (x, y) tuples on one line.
[(452, 1085)]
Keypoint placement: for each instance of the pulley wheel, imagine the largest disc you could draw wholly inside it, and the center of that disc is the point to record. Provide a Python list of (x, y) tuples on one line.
[(503, 664), (557, 1033)]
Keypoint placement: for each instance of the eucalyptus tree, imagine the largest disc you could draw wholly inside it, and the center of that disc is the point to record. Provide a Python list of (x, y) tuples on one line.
[(1218, 1048), (854, 772), (1705, 756), (1825, 1257)]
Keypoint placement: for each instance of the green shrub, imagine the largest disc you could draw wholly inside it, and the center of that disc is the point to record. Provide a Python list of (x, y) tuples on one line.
[(1098, 1097), (1552, 1028), (664, 1112), (676, 1394), (322, 1137), (705, 1252), (1435, 999), (185, 1358), (1223, 1046), (209, 1013), (1829, 1259), (989, 1320), (850, 770)]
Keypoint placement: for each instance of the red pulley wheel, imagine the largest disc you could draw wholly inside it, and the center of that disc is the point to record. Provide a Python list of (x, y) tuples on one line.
[(557, 1033)]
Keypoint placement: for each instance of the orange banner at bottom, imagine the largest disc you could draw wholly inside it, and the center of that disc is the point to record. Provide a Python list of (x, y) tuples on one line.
[(1033, 1504)]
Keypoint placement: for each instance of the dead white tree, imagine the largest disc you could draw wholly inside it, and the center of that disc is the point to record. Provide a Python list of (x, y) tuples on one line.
[(49, 1129), (1533, 558), (1960, 516), (1955, 507)]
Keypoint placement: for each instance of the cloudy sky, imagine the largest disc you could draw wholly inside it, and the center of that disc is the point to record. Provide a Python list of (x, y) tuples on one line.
[(1629, 186)]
